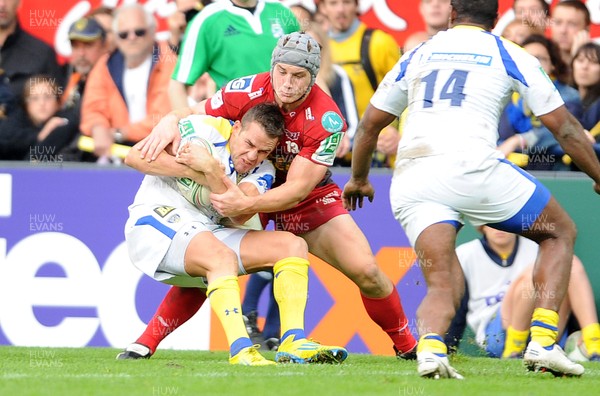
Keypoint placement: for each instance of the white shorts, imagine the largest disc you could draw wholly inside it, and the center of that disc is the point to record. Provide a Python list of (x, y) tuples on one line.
[(158, 236), (451, 188)]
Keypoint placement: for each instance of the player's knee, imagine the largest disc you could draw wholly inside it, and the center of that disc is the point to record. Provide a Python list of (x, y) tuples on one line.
[(220, 258), (370, 278), (293, 246)]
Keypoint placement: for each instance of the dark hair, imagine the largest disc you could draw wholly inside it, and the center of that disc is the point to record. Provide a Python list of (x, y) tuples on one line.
[(37, 79), (268, 116), (591, 51), (481, 12), (561, 70), (545, 6), (578, 5)]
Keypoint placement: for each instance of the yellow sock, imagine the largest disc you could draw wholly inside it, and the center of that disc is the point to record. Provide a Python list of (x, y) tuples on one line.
[(224, 296), (591, 338), (290, 287), (432, 342), (544, 326), (515, 342)]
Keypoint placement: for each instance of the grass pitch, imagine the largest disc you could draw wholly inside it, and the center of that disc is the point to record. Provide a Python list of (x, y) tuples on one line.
[(94, 371)]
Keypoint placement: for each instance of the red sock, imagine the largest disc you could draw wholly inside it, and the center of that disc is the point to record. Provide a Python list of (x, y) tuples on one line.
[(178, 306), (388, 313)]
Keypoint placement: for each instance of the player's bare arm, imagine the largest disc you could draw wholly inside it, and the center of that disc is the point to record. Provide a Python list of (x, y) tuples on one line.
[(164, 165), (249, 189), (570, 135), (166, 132), (303, 176), (200, 160), (365, 141)]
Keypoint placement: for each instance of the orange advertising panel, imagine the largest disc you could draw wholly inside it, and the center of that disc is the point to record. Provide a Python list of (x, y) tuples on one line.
[(345, 318)]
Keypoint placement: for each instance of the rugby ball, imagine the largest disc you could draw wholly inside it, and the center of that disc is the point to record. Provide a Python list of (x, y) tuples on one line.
[(575, 348), (195, 193)]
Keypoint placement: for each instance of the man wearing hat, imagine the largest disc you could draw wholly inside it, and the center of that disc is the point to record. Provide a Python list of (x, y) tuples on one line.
[(88, 41), (21, 54)]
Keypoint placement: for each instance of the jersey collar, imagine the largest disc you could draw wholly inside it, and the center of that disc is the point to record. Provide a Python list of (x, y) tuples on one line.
[(471, 27), (496, 258)]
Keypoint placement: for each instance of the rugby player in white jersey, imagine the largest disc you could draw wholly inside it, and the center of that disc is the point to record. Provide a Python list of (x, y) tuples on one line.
[(447, 170), (498, 304), (189, 245)]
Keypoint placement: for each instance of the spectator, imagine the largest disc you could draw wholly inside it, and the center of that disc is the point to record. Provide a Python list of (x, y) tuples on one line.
[(38, 130), (21, 54), (414, 40), (126, 92), (303, 10), (586, 75), (435, 15), (335, 79), (7, 98), (204, 87), (541, 146), (517, 31), (366, 55), (346, 38), (499, 295), (178, 21), (321, 18), (104, 16), (534, 13), (570, 27), (88, 44), (247, 28)]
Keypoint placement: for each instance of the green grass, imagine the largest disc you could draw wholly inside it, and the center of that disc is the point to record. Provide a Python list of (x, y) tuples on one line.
[(94, 371)]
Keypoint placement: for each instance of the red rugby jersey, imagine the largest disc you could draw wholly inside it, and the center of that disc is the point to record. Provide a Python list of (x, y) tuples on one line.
[(313, 130)]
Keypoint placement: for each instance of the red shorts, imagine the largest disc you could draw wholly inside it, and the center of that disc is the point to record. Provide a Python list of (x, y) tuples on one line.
[(321, 205)]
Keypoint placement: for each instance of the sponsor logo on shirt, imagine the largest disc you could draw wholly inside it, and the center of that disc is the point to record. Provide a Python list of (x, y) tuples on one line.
[(476, 59), (256, 94), (174, 219), (162, 211), (292, 135), (243, 84), (309, 115), (185, 127), (332, 122), (231, 31)]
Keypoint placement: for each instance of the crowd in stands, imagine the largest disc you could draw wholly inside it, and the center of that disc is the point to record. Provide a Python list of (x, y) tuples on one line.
[(119, 80)]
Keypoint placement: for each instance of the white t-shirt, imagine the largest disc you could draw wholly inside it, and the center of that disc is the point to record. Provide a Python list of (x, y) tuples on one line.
[(455, 87), (135, 85), (488, 280)]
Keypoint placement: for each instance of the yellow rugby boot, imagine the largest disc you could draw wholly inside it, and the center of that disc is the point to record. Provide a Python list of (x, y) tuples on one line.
[(305, 351), (250, 357)]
